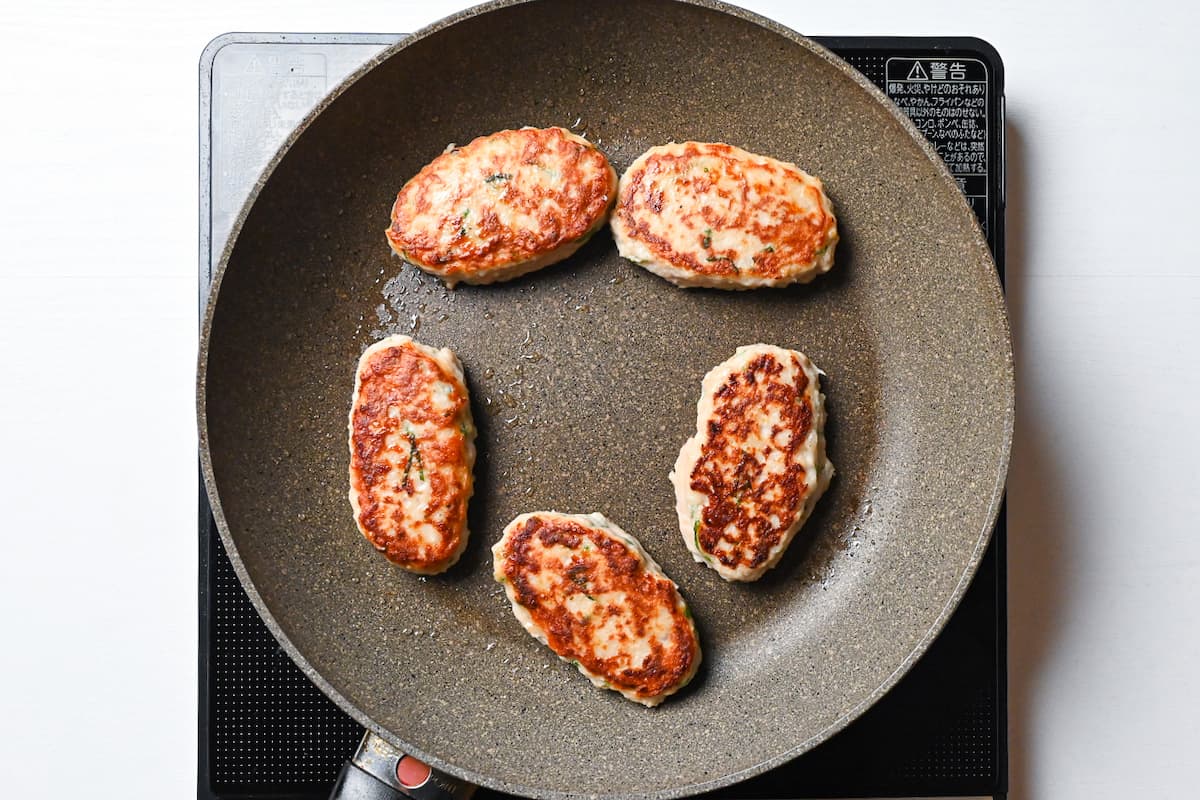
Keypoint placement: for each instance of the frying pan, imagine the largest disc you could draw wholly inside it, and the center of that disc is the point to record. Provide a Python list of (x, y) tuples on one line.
[(584, 378)]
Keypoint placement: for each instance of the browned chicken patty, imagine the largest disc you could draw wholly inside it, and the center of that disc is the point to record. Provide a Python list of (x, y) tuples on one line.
[(751, 475), (412, 451), (710, 214), (503, 205), (587, 589)]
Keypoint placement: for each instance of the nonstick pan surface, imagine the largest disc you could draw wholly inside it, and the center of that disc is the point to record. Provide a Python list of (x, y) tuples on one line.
[(584, 379)]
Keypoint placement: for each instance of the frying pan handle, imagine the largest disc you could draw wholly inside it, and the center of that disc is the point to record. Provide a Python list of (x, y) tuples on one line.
[(379, 771)]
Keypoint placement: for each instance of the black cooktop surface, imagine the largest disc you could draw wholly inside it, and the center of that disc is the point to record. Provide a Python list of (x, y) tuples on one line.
[(265, 731)]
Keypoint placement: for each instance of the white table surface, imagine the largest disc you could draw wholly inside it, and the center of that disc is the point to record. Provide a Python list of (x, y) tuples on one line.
[(98, 205)]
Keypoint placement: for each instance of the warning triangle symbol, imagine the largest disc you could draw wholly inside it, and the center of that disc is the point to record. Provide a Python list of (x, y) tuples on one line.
[(917, 73), (255, 66)]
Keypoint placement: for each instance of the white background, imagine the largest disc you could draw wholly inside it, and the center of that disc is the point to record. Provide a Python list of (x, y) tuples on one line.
[(98, 209)]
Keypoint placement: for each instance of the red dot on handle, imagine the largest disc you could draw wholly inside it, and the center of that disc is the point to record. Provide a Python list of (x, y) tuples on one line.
[(412, 773)]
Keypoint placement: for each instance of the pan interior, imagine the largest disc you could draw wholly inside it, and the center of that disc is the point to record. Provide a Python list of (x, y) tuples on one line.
[(584, 379)]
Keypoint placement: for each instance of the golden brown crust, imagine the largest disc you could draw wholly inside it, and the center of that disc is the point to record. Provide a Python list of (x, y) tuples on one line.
[(711, 214), (512, 197), (742, 501), (411, 454), (602, 640)]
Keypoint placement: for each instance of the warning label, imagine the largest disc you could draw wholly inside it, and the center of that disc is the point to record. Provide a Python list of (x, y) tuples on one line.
[(947, 99)]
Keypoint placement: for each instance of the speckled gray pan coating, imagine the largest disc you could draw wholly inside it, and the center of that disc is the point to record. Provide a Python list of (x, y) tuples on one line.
[(584, 379)]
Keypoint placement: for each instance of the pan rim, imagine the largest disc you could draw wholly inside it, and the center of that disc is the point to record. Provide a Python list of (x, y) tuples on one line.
[(986, 264)]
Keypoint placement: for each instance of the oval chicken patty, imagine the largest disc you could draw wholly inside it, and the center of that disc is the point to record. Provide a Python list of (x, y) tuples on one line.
[(503, 205), (710, 214), (749, 478), (412, 451), (587, 589)]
